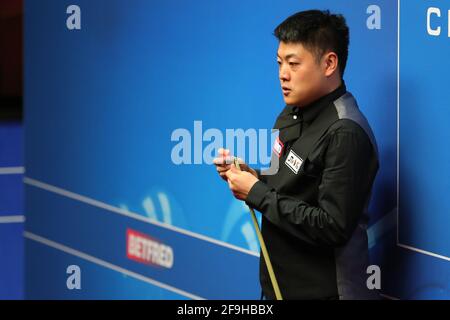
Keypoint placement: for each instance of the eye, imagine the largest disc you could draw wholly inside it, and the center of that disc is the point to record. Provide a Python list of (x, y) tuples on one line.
[(279, 62), (293, 64)]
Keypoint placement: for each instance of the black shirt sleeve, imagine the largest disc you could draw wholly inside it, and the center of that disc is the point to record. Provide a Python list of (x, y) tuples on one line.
[(261, 177)]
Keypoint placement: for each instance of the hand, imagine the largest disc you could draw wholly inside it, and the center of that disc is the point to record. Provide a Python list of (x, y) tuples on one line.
[(240, 182), (223, 164)]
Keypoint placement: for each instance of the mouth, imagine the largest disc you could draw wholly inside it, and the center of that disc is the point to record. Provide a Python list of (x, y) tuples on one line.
[(286, 91)]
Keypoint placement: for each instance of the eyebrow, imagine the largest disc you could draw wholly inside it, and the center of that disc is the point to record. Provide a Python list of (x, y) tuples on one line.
[(288, 56)]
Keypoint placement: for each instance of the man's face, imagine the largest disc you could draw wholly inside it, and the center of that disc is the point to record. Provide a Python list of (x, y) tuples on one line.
[(302, 78)]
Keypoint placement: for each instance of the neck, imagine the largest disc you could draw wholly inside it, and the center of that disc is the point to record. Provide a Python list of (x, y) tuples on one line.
[(333, 85)]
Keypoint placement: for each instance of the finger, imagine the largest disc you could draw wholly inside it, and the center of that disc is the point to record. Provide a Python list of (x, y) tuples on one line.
[(230, 185), (221, 161), (225, 161), (222, 168), (234, 169), (229, 159), (222, 172), (218, 161), (223, 152)]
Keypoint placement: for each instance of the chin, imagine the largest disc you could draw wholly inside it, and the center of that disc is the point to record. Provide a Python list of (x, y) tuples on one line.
[(292, 99), (290, 102)]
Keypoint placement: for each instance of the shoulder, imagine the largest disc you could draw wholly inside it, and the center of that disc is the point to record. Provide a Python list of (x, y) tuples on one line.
[(348, 138), (351, 120), (346, 126)]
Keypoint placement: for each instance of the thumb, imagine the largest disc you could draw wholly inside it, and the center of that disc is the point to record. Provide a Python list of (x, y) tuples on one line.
[(229, 173)]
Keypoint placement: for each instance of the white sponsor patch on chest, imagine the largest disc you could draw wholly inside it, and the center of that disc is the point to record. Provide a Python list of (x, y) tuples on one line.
[(293, 161)]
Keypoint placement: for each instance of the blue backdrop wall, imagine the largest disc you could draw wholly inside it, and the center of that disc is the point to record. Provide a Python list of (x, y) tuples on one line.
[(102, 104), (11, 211)]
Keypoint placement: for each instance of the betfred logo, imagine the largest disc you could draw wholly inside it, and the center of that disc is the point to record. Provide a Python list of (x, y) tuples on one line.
[(144, 249)]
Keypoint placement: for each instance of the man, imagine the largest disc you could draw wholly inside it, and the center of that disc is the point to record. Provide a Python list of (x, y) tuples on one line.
[(314, 208)]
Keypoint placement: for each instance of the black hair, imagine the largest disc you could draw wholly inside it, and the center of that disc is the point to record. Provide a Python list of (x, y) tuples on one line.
[(319, 32)]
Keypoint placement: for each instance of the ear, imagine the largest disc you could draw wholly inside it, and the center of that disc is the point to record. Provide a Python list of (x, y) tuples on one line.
[(331, 63)]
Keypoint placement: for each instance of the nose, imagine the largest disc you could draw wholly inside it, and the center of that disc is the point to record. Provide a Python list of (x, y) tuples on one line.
[(284, 73)]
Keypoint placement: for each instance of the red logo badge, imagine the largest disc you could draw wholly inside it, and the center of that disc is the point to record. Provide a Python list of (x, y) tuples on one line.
[(278, 147)]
